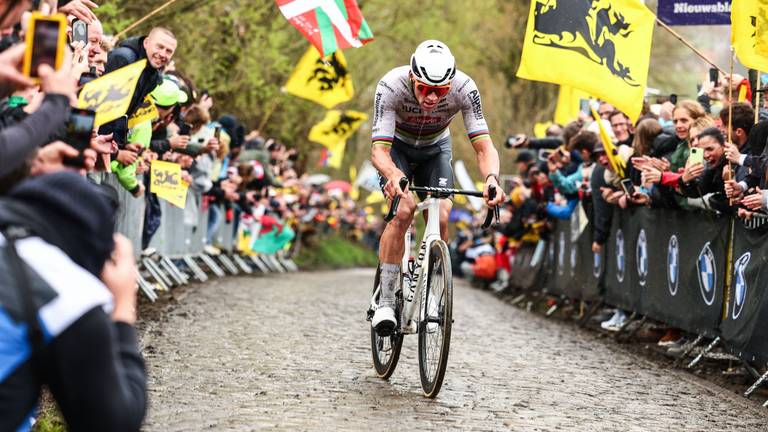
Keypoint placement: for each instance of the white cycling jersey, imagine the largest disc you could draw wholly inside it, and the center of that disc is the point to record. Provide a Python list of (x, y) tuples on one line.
[(397, 114)]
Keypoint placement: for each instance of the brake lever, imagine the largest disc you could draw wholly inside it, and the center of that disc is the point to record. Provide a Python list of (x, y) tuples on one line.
[(396, 201), (491, 215)]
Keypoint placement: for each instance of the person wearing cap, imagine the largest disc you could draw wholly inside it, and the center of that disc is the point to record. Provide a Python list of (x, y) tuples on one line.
[(523, 162)]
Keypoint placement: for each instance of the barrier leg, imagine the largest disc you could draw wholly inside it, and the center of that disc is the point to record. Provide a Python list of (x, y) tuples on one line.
[(704, 352), (288, 264), (228, 264), (515, 301), (211, 264), (275, 263), (688, 350), (257, 261), (634, 331), (552, 309), (242, 264), (157, 274), (145, 287), (171, 269), (596, 305), (196, 270), (753, 388)]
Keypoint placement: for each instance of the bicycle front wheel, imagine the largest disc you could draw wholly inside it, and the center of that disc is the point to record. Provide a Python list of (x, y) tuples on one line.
[(385, 349), (435, 320)]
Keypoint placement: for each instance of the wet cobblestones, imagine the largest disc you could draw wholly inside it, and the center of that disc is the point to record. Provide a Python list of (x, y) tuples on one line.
[(291, 352)]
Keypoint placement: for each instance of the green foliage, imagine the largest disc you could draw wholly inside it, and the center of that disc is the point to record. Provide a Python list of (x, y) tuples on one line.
[(334, 251)]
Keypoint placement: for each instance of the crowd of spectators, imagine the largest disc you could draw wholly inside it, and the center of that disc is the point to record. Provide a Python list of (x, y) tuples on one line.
[(569, 170)]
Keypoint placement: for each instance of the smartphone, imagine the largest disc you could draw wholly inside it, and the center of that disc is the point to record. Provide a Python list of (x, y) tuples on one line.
[(79, 31), (79, 131), (628, 187), (217, 133), (85, 78), (46, 40), (714, 76), (120, 131), (696, 156)]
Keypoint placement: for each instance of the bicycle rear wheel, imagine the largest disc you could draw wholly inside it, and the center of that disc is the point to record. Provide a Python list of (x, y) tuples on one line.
[(435, 320), (385, 350)]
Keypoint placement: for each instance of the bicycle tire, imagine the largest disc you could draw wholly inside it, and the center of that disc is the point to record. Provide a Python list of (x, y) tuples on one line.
[(435, 319), (385, 364)]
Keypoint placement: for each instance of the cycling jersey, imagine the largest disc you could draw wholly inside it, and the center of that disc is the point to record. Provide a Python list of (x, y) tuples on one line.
[(397, 113)]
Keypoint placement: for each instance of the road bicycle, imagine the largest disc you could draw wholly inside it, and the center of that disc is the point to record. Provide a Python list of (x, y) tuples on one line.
[(427, 287)]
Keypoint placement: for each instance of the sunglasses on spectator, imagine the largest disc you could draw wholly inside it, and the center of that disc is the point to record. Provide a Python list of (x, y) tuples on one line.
[(425, 89)]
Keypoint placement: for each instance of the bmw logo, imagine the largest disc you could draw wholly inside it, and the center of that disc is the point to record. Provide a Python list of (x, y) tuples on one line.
[(551, 254), (561, 253), (620, 264), (597, 264), (707, 274), (673, 265), (642, 258), (740, 284)]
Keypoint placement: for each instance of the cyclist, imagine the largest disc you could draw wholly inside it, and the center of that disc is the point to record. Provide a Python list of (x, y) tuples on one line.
[(413, 107)]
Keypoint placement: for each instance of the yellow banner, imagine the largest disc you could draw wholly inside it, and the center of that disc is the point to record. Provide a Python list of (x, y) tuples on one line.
[(147, 112), (324, 81), (111, 94), (749, 32), (165, 181), (602, 47), (611, 151), (333, 132), (569, 104)]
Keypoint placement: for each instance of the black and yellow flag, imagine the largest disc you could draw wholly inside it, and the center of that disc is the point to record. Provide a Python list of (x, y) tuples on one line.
[(749, 32), (110, 95), (601, 46), (569, 104), (325, 81), (333, 132)]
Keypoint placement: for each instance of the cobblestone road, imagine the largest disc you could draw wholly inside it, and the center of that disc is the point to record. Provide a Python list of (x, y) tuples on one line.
[(291, 352)]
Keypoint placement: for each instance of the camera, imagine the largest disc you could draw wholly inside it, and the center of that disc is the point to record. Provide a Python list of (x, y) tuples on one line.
[(78, 134)]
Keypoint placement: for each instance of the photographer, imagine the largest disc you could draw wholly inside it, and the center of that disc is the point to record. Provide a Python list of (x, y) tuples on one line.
[(84, 299)]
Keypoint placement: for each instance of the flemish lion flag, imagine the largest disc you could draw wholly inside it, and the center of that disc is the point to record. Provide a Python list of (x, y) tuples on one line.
[(333, 132), (110, 95), (325, 81), (749, 32), (330, 25), (604, 50), (569, 104)]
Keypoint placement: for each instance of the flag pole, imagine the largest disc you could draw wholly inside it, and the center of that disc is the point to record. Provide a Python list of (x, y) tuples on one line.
[(757, 91), (677, 35), (146, 17), (730, 175)]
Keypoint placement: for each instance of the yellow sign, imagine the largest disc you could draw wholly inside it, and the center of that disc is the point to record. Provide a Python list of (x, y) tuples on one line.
[(110, 95), (602, 47), (749, 32), (166, 183), (324, 81), (147, 112)]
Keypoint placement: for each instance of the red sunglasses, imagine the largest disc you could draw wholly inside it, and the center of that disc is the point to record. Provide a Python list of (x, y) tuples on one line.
[(425, 90)]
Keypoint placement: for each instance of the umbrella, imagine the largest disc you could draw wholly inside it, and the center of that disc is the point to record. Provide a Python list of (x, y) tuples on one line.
[(341, 185)]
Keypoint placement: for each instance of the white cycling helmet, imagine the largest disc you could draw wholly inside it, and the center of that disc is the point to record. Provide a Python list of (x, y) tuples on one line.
[(432, 63)]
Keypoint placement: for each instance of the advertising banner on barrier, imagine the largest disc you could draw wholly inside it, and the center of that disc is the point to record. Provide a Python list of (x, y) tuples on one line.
[(695, 12), (621, 278), (679, 267), (747, 310)]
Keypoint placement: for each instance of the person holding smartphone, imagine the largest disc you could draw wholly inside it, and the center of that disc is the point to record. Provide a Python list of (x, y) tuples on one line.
[(708, 183)]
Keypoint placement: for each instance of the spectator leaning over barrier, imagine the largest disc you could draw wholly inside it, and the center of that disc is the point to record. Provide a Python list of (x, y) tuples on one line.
[(739, 151), (698, 182), (675, 149), (74, 331), (157, 48)]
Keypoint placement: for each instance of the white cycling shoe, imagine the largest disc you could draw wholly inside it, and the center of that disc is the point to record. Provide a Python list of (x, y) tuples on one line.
[(384, 321)]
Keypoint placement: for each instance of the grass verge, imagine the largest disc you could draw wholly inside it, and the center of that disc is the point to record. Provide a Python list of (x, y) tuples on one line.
[(333, 252)]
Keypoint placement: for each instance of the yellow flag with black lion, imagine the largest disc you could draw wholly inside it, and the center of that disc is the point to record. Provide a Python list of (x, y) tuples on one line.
[(602, 47), (322, 80), (749, 32)]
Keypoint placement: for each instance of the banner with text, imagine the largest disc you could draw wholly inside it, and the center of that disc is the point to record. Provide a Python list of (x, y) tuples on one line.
[(695, 12)]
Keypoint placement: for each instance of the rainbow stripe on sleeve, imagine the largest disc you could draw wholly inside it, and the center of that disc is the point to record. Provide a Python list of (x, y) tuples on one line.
[(478, 135), (382, 140)]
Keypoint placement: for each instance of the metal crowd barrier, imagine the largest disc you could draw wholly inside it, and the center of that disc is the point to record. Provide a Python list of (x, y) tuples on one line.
[(177, 252)]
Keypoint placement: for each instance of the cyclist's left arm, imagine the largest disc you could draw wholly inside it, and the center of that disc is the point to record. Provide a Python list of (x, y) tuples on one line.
[(480, 137)]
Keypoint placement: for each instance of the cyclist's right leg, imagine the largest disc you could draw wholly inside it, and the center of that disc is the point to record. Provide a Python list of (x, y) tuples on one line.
[(391, 250)]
